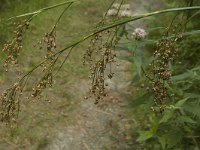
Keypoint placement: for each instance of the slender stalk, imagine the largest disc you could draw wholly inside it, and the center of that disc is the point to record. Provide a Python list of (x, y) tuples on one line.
[(108, 9), (66, 57), (42, 10), (66, 8)]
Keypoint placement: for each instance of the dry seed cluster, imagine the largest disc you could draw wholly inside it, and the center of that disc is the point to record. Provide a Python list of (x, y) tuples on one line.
[(10, 98), (160, 73), (103, 45), (48, 67), (13, 47), (49, 40), (46, 80), (9, 103)]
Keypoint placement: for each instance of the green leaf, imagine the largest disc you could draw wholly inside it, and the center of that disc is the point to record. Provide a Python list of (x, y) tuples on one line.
[(138, 64), (186, 119), (167, 115), (162, 141), (192, 95), (182, 76), (145, 135), (192, 108), (181, 102), (170, 139), (173, 137)]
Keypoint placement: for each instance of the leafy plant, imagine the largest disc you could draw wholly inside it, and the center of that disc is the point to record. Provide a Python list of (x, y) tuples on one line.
[(177, 127)]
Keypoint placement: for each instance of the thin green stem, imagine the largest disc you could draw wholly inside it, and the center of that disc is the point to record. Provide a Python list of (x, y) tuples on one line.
[(43, 9), (68, 54), (108, 9), (60, 17)]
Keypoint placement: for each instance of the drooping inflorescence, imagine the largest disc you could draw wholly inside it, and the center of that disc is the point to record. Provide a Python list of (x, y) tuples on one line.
[(104, 57), (13, 47), (160, 72), (48, 68), (10, 99), (49, 40), (101, 55), (10, 102)]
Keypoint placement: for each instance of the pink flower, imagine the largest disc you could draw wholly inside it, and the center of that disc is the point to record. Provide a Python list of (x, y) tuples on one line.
[(139, 33)]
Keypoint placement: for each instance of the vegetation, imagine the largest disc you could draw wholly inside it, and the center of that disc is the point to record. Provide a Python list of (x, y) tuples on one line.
[(165, 100)]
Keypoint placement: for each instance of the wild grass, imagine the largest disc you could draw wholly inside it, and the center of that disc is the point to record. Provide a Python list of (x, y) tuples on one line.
[(40, 118), (30, 52)]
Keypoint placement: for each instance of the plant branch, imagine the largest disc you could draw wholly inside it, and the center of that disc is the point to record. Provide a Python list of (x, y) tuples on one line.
[(43, 9)]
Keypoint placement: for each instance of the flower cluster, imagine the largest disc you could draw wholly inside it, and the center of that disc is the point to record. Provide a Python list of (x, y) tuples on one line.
[(139, 34)]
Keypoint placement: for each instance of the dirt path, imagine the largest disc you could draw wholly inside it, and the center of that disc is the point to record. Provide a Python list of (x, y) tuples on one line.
[(94, 127)]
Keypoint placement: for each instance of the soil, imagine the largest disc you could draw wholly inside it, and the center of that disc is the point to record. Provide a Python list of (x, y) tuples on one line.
[(95, 127)]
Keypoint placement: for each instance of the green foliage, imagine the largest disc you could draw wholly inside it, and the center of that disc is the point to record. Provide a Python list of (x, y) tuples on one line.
[(178, 127)]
